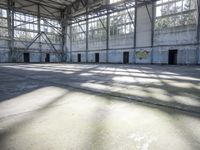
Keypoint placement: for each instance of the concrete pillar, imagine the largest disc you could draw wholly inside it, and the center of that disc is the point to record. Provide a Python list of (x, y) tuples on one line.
[(144, 30)]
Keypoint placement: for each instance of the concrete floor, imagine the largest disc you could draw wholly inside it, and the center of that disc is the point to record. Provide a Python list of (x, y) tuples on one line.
[(99, 107)]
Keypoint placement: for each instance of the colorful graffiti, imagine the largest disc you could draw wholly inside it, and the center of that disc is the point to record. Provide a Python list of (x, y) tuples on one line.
[(142, 54)]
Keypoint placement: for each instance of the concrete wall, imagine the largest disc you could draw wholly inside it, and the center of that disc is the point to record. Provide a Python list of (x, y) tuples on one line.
[(143, 26), (186, 54), (175, 36), (4, 56), (121, 41), (75, 57), (183, 39), (4, 52), (96, 45), (35, 55), (80, 46)]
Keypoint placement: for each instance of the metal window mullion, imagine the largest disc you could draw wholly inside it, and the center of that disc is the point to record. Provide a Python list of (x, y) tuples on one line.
[(135, 34), (86, 34), (70, 44), (39, 32), (152, 31), (107, 36), (198, 31), (10, 17)]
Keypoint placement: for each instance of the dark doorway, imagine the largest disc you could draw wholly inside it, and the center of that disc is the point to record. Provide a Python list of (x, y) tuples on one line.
[(79, 57), (26, 57), (96, 57), (172, 57), (126, 57), (47, 58)]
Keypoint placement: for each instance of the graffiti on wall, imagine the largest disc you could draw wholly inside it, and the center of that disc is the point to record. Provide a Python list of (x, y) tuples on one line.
[(142, 54)]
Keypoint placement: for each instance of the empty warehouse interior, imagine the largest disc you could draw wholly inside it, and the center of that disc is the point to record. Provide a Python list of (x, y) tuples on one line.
[(102, 31), (99, 75)]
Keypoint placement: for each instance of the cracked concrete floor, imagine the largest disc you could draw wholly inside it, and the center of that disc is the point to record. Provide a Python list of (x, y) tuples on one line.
[(99, 107)]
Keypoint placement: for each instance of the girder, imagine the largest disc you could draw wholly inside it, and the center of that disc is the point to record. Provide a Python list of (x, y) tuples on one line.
[(71, 8)]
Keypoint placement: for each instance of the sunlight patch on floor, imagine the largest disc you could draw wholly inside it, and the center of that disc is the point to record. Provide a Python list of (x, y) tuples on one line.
[(31, 101), (47, 113), (97, 122)]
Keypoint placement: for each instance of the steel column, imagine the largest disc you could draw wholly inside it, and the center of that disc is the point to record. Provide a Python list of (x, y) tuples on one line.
[(70, 40), (198, 32), (107, 36), (152, 31), (39, 32), (87, 30), (63, 36), (135, 34), (10, 18)]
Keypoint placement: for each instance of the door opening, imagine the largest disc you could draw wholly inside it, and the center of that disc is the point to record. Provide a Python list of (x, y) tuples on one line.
[(96, 57), (172, 56), (26, 57), (126, 57), (47, 58), (79, 57)]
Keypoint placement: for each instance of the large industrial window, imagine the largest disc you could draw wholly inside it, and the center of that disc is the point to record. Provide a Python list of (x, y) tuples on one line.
[(78, 35), (97, 28), (122, 22), (171, 13), (97, 32), (114, 1), (25, 26), (122, 28), (52, 29), (3, 24)]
